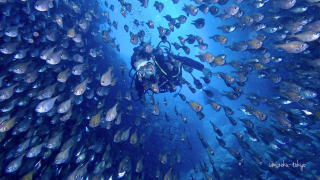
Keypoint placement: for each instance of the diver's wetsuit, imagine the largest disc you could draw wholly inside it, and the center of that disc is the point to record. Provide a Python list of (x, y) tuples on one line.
[(168, 78), (189, 62)]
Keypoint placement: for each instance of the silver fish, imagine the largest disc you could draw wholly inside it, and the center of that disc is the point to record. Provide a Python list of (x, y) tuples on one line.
[(46, 105)]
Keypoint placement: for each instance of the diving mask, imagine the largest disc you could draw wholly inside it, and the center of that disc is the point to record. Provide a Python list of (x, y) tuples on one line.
[(145, 69)]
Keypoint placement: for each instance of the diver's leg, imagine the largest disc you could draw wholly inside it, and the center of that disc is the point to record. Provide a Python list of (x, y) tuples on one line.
[(189, 62), (194, 64)]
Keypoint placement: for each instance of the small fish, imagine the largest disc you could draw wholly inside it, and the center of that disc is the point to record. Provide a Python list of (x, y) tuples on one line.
[(220, 39), (14, 165), (65, 106), (77, 70), (195, 106), (95, 120), (112, 113), (199, 23), (62, 156), (293, 47), (139, 166), (206, 57), (254, 44), (204, 8), (134, 38), (47, 92), (55, 58), (9, 47), (12, 31), (232, 10), (46, 105), (106, 77), (134, 138), (7, 93), (125, 27), (125, 134), (23, 146), (159, 6), (186, 49), (307, 36), (150, 24), (55, 141), (215, 105), (182, 96), (182, 19), (63, 76), (81, 88), (213, 10), (208, 92), (217, 130), (190, 9), (21, 68), (46, 53), (285, 4), (34, 151), (7, 124), (43, 5)]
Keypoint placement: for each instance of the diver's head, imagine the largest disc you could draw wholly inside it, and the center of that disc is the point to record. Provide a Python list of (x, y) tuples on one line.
[(164, 38), (146, 69)]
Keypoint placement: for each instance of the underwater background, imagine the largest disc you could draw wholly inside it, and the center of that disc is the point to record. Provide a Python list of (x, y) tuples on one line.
[(68, 111)]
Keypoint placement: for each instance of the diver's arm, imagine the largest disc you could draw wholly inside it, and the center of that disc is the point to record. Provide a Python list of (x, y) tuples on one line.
[(189, 62)]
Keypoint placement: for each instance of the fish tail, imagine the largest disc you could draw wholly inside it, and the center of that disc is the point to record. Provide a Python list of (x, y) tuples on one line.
[(277, 46), (291, 36)]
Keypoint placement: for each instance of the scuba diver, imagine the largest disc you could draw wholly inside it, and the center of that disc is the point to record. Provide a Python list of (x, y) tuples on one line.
[(158, 69)]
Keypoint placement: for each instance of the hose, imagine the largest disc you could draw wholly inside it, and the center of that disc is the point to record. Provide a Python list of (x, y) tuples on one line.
[(167, 49)]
